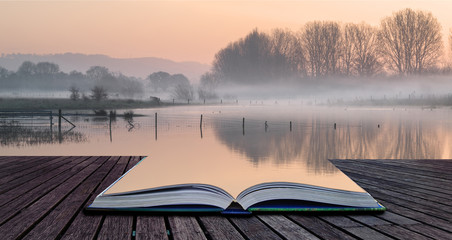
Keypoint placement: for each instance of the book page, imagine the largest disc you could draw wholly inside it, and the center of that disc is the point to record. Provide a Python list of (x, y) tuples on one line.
[(186, 159)]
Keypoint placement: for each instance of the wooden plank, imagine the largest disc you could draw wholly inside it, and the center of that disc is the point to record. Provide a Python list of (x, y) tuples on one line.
[(22, 189), (418, 216), (396, 218), (112, 230), (53, 224), (429, 231), (377, 221), (442, 165), (11, 169), (13, 181), (353, 227), (413, 225), (218, 227), (17, 203), (419, 180), (383, 177), (54, 163), (185, 227), (387, 227), (399, 186), (412, 166), (319, 228), (151, 227), (400, 189), (436, 210), (14, 160), (252, 228), (20, 223), (401, 233), (85, 226), (409, 170), (411, 196), (286, 228)]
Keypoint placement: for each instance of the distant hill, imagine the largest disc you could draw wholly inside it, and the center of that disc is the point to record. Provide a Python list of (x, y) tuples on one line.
[(137, 67)]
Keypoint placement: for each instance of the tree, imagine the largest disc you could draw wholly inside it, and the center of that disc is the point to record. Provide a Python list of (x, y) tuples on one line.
[(27, 69), (165, 81), (260, 58), (159, 80), (97, 73), (183, 92), (287, 46), (4, 73), (208, 84), (47, 68), (410, 41), (75, 93), (322, 43), (360, 50), (99, 93)]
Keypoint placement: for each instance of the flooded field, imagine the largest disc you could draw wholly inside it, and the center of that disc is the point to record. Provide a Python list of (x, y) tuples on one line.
[(260, 134)]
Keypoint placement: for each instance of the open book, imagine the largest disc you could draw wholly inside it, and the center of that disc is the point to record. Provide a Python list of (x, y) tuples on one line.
[(145, 188)]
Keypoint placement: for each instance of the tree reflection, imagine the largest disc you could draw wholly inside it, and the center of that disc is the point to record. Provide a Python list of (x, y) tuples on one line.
[(315, 140), (18, 136)]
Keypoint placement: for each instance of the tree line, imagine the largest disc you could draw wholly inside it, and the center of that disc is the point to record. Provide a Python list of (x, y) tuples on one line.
[(46, 76), (405, 44)]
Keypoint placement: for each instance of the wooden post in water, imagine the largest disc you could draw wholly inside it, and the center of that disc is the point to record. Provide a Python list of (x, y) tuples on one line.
[(60, 139), (155, 126), (204, 101), (243, 126), (266, 126), (51, 126), (200, 126), (111, 115), (290, 126), (188, 101), (334, 126)]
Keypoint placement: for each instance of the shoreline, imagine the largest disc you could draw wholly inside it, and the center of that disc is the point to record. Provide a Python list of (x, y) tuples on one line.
[(36, 104)]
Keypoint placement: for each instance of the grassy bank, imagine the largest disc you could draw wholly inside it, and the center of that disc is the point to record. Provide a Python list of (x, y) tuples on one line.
[(67, 104)]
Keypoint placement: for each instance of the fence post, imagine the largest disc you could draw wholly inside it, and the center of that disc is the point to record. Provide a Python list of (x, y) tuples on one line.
[(243, 126), (111, 139), (291, 126), (155, 126), (200, 122), (59, 126)]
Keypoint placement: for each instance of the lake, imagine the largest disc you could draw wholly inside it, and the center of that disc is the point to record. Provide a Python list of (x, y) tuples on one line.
[(274, 134)]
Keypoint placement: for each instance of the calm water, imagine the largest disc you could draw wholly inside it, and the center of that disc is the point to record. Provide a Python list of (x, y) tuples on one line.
[(372, 133)]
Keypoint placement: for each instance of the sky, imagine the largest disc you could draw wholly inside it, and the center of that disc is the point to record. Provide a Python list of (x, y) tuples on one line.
[(175, 30)]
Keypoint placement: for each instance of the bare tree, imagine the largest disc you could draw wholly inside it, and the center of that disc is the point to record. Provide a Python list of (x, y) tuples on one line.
[(410, 41), (75, 93), (287, 45), (183, 92), (322, 42), (360, 50), (208, 84)]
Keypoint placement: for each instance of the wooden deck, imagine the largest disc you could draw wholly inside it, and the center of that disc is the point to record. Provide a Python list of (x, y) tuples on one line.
[(43, 198)]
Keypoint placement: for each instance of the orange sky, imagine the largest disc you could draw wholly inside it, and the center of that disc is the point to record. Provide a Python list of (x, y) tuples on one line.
[(176, 30)]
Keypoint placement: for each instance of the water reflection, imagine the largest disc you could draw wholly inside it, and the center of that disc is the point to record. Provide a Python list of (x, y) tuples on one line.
[(265, 137), (388, 136), (19, 136)]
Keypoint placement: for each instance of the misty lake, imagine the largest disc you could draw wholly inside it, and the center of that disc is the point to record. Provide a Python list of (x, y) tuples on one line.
[(276, 134)]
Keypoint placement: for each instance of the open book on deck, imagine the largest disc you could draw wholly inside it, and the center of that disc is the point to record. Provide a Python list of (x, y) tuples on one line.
[(134, 192)]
